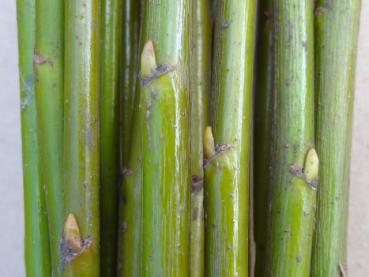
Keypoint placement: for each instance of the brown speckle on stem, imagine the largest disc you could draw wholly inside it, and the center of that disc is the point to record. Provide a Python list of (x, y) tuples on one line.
[(39, 59), (197, 183), (320, 9), (126, 172)]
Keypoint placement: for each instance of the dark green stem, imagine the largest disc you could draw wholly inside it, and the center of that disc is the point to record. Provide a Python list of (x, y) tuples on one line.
[(128, 73), (109, 132), (130, 203), (262, 133)]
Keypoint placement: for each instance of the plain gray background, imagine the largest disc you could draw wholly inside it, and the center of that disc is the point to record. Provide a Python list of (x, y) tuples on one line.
[(11, 205)]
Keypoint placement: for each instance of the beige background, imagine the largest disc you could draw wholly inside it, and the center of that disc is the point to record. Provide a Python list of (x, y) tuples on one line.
[(11, 206)]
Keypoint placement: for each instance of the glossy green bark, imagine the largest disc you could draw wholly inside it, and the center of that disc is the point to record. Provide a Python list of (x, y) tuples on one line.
[(292, 198), (164, 109), (165, 178), (48, 64), (199, 89), (81, 136), (109, 132), (336, 34), (263, 114), (37, 250), (128, 73), (227, 172)]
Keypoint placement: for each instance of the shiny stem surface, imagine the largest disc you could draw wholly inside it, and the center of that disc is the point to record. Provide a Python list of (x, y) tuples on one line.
[(227, 172), (81, 136), (164, 108)]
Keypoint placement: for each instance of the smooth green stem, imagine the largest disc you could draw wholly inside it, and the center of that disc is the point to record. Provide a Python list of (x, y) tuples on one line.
[(128, 73), (336, 35), (227, 171), (130, 208), (164, 108), (49, 74), (292, 195), (109, 132), (262, 132), (130, 203), (81, 136), (37, 249), (199, 89)]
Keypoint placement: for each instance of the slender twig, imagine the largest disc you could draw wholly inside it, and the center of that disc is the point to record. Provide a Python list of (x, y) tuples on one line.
[(37, 249)]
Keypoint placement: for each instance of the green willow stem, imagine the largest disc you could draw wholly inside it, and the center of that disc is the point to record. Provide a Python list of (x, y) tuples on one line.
[(130, 204), (37, 249), (130, 207), (165, 168), (81, 136), (109, 132), (227, 167), (200, 88), (262, 133), (292, 195), (164, 109), (128, 73), (336, 34), (48, 64)]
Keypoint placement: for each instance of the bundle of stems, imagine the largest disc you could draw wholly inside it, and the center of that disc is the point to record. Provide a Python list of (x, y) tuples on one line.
[(146, 132), (335, 57)]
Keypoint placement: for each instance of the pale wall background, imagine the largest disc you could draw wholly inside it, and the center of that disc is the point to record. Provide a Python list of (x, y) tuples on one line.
[(11, 206)]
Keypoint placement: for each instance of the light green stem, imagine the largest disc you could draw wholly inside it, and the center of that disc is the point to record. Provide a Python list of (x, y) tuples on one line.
[(292, 195), (48, 64), (164, 109), (336, 35), (199, 89), (37, 249), (227, 167), (81, 136)]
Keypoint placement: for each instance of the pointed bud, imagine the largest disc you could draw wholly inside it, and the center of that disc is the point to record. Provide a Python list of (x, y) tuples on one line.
[(209, 147), (311, 167), (148, 60), (72, 235)]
